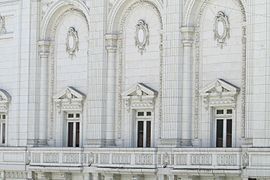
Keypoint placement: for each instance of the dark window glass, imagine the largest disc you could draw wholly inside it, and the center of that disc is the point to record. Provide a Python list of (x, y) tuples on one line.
[(140, 134), (3, 133), (148, 134), (140, 113), (77, 134), (219, 135), (77, 115), (70, 115), (3, 116), (148, 114), (229, 133), (220, 111), (70, 134), (229, 111)]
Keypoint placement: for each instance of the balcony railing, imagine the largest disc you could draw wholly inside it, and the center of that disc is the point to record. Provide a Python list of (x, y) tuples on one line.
[(132, 158), (136, 158)]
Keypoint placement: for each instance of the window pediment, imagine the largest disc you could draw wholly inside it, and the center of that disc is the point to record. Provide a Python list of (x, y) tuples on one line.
[(69, 99), (5, 99), (139, 96), (220, 93)]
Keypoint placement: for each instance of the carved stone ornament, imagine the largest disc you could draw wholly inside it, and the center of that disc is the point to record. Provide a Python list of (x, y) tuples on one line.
[(142, 35), (139, 97), (221, 28), (219, 93), (69, 99), (2, 25), (72, 42), (5, 99)]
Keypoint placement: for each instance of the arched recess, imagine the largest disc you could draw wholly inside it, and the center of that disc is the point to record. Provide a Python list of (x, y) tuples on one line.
[(59, 8), (120, 6), (116, 24), (48, 53), (193, 12)]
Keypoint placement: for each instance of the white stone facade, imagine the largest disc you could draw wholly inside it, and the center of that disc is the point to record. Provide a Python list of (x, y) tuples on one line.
[(134, 89)]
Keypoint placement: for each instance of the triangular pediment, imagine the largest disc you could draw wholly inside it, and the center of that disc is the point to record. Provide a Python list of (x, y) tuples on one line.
[(70, 93), (219, 86), (139, 90)]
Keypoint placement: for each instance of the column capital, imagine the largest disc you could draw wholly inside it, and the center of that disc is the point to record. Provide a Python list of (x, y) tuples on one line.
[(111, 42), (187, 35), (44, 48)]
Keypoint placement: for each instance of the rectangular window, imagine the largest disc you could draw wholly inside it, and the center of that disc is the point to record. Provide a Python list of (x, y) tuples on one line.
[(77, 134), (3, 133), (140, 134), (219, 137), (229, 133), (148, 134), (70, 134), (73, 129)]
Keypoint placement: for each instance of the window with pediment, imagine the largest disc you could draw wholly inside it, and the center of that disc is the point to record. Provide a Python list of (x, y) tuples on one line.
[(69, 103), (219, 100), (139, 104)]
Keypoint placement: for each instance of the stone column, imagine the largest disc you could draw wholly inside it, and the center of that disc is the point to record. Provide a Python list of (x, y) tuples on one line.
[(171, 177), (95, 176), (43, 108), (108, 176), (187, 40), (111, 47)]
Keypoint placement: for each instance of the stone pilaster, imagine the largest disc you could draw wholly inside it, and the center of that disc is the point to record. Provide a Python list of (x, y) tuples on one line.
[(187, 40), (43, 108), (111, 47)]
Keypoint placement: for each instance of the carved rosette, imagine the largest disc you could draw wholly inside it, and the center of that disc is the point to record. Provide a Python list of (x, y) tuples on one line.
[(142, 35), (221, 28), (72, 42)]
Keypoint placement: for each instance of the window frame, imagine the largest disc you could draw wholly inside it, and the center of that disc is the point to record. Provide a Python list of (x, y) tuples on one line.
[(3, 121), (145, 119), (74, 120), (225, 117)]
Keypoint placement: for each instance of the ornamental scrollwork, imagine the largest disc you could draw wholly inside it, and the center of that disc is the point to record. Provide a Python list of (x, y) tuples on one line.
[(2, 25), (72, 41), (221, 28), (142, 35)]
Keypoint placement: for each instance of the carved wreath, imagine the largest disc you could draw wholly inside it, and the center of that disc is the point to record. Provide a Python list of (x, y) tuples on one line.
[(72, 41), (142, 35), (221, 28)]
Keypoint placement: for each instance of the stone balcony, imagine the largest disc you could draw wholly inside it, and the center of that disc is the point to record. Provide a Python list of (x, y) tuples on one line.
[(147, 160)]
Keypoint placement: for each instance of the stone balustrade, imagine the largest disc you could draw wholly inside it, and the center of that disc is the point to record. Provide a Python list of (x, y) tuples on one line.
[(228, 159)]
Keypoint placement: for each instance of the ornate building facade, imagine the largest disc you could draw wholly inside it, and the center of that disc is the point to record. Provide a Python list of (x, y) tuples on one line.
[(134, 89)]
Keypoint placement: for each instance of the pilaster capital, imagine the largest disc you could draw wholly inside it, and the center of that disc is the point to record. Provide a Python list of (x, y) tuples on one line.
[(187, 35), (44, 48), (111, 42)]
